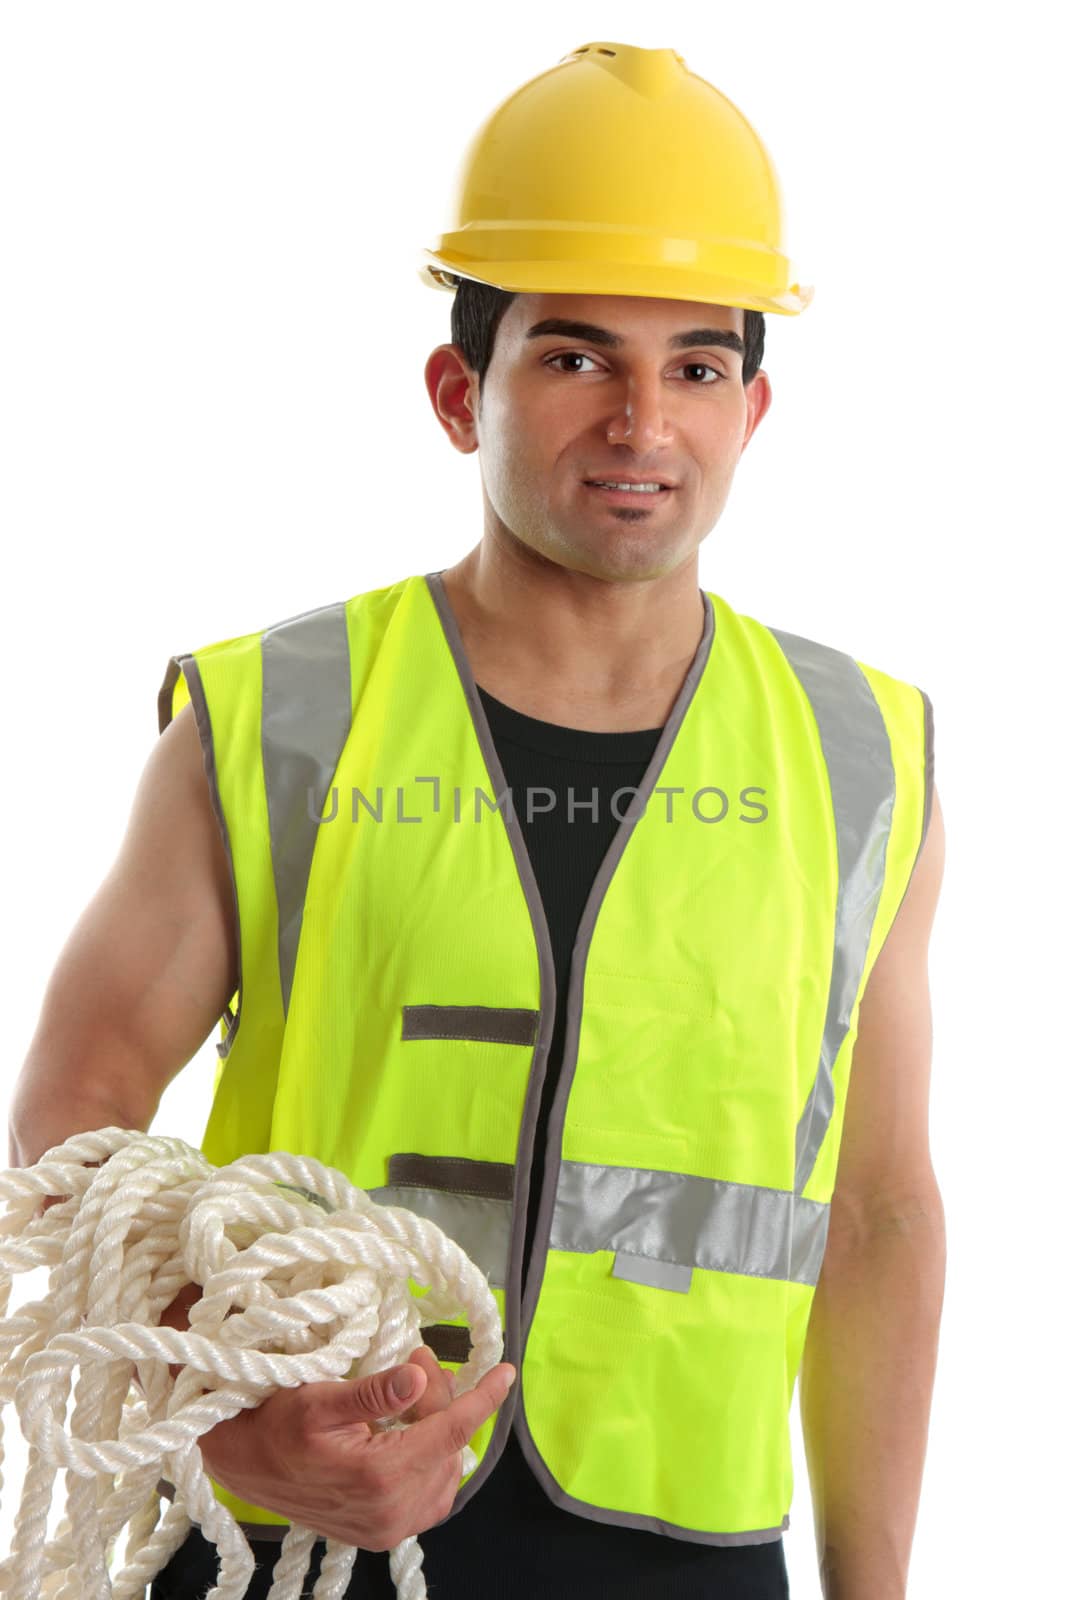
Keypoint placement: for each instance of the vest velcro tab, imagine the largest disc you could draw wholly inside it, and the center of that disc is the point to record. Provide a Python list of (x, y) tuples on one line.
[(491, 1024)]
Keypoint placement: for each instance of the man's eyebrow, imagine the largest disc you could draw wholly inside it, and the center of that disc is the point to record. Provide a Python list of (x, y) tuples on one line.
[(591, 334)]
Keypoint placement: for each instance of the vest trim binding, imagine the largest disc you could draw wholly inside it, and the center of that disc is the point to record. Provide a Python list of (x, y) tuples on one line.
[(176, 666)]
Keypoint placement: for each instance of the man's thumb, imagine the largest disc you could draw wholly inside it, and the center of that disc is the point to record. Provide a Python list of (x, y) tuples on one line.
[(403, 1384), (382, 1393)]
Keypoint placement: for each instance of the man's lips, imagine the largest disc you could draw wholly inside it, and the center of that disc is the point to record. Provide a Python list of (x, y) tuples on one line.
[(637, 497), (664, 483)]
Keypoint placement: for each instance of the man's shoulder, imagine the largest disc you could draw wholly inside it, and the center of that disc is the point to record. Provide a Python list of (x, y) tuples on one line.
[(230, 673), (307, 622), (803, 645)]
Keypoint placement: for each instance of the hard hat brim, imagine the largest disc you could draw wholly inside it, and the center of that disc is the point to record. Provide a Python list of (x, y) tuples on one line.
[(442, 269)]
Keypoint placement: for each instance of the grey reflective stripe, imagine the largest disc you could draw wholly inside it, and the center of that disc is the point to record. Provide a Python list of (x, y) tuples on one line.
[(859, 763), (487, 1180), (653, 1274), (307, 712), (480, 1227), (480, 1024), (448, 1341), (480, 1218), (674, 1218)]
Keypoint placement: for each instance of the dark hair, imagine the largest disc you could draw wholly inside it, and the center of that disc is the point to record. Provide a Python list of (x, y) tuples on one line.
[(478, 307)]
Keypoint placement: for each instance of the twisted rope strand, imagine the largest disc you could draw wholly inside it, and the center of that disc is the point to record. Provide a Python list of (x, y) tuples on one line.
[(304, 1277)]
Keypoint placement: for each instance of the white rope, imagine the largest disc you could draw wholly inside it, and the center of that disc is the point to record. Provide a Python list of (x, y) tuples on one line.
[(316, 1276)]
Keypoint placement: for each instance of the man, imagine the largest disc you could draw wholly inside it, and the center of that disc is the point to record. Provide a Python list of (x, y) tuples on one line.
[(605, 1043)]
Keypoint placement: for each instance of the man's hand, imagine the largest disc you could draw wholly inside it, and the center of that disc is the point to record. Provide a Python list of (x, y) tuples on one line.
[(313, 1454)]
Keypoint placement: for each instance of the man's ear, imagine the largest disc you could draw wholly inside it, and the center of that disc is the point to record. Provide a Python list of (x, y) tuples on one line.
[(453, 391), (758, 397)]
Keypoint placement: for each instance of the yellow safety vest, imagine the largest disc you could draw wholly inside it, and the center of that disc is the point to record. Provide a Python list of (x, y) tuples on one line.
[(397, 996)]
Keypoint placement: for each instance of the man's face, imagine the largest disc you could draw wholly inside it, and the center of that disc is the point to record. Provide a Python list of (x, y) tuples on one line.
[(633, 388)]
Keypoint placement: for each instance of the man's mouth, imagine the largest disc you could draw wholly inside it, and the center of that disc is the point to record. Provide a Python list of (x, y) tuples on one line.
[(623, 486)]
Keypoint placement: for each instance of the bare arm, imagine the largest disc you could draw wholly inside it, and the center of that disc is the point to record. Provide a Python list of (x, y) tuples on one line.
[(147, 970), (867, 1373)]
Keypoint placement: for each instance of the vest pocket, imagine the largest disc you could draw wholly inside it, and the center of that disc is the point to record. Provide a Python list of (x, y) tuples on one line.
[(654, 1274)]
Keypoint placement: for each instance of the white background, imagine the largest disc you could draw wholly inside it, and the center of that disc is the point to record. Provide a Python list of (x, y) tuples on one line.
[(213, 417)]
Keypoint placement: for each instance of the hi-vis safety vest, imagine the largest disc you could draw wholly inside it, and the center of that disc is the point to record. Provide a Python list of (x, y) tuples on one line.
[(397, 996)]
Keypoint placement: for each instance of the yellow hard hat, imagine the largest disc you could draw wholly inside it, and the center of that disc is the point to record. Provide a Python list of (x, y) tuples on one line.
[(619, 171)]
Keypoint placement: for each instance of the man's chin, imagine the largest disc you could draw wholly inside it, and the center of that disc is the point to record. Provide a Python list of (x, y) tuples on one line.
[(627, 558)]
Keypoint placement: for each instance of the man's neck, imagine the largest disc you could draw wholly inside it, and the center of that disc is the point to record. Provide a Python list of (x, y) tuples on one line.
[(574, 650)]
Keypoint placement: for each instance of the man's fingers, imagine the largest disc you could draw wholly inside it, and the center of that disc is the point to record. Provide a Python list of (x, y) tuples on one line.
[(450, 1429), (438, 1391)]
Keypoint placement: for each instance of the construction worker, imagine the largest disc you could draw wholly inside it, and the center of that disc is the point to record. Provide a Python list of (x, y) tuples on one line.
[(551, 897)]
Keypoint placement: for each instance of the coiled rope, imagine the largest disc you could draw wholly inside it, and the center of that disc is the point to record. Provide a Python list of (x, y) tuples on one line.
[(316, 1276)]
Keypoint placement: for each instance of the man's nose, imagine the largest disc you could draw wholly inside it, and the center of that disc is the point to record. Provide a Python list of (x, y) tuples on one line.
[(642, 423)]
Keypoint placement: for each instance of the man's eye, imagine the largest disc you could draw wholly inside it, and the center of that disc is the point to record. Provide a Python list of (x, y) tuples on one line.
[(569, 355), (703, 366)]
